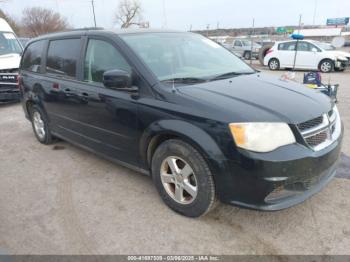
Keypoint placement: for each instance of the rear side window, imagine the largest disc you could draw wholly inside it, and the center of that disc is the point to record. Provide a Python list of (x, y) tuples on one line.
[(32, 57), (288, 46), (63, 56)]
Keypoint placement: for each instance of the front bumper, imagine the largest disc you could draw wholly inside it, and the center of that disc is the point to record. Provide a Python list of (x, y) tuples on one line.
[(279, 179), (342, 64), (9, 95)]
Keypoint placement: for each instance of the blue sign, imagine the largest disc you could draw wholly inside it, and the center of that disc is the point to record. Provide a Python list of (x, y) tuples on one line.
[(338, 21)]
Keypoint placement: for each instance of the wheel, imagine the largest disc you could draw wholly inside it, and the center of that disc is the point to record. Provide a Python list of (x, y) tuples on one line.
[(274, 64), (326, 66), (247, 55), (40, 125), (183, 179)]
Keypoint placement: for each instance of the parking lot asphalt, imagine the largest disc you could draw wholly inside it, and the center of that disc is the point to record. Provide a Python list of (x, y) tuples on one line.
[(60, 199)]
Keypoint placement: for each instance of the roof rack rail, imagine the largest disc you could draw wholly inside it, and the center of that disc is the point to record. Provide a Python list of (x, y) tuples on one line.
[(85, 28)]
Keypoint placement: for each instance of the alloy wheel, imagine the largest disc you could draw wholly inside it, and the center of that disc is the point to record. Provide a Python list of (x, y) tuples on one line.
[(39, 125), (326, 66), (273, 65), (179, 180)]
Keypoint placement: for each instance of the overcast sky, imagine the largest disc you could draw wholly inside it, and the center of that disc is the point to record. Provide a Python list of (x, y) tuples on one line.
[(181, 14)]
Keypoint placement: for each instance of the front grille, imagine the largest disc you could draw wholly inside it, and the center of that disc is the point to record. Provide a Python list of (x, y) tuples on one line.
[(10, 70), (320, 132), (8, 78), (317, 139), (311, 123)]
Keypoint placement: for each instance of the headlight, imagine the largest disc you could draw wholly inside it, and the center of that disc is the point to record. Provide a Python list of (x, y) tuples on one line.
[(342, 58), (261, 137)]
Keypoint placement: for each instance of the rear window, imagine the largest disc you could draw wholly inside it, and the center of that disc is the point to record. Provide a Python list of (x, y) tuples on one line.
[(62, 57), (32, 57)]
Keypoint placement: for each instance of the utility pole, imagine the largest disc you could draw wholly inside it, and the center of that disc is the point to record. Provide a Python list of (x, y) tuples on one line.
[(164, 16), (300, 16), (251, 42), (297, 44), (93, 11), (315, 11)]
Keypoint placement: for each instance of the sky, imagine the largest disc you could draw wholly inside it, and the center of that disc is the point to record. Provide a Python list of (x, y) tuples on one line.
[(195, 14)]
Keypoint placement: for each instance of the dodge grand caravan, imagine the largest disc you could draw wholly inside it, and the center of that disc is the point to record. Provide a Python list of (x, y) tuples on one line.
[(181, 108)]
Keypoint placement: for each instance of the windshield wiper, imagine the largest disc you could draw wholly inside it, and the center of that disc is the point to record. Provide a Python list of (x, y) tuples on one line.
[(184, 80), (230, 74)]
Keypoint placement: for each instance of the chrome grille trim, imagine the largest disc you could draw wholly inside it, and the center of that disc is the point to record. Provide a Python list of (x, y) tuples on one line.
[(324, 134)]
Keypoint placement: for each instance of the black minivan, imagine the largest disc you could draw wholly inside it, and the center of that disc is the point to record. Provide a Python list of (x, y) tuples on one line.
[(181, 108)]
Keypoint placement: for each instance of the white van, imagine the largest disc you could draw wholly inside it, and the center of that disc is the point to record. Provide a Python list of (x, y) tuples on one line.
[(10, 56)]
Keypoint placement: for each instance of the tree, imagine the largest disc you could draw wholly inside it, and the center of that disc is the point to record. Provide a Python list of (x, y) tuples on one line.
[(11, 21), (37, 21), (128, 13)]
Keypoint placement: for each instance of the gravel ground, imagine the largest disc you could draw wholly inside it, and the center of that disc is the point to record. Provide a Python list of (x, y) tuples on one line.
[(60, 199)]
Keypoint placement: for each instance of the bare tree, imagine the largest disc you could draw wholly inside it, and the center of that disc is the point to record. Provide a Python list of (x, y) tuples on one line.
[(128, 13), (37, 21)]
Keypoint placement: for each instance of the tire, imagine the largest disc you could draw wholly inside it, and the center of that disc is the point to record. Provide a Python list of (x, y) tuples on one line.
[(262, 52), (40, 125), (192, 170), (326, 66), (274, 64), (247, 55)]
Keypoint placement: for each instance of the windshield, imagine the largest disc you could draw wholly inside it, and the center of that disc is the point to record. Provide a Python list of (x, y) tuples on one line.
[(325, 46), (9, 44), (184, 55)]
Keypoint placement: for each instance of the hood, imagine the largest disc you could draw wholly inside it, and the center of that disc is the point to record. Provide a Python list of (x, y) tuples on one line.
[(339, 53), (259, 97), (9, 61)]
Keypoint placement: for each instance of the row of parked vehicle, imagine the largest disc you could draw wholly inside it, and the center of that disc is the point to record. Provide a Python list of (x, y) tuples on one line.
[(305, 54)]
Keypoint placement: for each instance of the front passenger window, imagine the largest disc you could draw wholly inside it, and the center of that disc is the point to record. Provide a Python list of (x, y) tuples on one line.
[(100, 57)]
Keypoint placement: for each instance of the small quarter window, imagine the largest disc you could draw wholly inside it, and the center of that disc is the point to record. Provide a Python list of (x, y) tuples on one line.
[(62, 57), (32, 57)]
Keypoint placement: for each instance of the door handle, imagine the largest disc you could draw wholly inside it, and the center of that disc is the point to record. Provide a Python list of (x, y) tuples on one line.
[(67, 90), (85, 94)]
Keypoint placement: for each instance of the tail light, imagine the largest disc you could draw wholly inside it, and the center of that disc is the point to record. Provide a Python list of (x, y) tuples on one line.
[(19, 82), (269, 51)]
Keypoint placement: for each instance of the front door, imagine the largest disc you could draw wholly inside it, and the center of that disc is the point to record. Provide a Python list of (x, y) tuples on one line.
[(107, 118), (307, 56)]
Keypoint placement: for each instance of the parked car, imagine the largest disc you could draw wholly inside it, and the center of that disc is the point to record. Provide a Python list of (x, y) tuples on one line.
[(311, 55), (10, 56), (186, 111), (244, 48)]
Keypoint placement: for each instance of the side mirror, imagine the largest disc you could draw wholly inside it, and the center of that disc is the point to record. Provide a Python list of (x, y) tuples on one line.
[(117, 79), (314, 50)]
